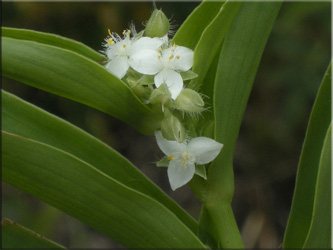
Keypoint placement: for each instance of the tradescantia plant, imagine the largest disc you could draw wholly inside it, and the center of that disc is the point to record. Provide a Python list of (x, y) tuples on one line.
[(155, 83)]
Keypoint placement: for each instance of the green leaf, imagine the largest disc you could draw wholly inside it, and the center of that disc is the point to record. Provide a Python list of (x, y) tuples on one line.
[(239, 58), (191, 30), (54, 40), (24, 119), (17, 236), (70, 75), (81, 190), (320, 232), (301, 213), (210, 42)]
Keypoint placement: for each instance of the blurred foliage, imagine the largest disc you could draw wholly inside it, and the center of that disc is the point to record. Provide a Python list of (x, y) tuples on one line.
[(271, 136)]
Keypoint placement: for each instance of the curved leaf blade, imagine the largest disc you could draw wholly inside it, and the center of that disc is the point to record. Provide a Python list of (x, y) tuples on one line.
[(24, 119), (239, 58), (54, 40), (17, 236), (319, 235), (301, 212), (210, 42), (191, 30), (81, 190), (70, 75)]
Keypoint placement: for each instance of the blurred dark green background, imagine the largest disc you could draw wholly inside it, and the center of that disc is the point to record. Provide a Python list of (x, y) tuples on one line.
[(271, 136)]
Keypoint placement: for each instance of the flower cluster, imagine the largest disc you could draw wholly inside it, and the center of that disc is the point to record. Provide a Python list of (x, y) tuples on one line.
[(149, 56), (156, 69)]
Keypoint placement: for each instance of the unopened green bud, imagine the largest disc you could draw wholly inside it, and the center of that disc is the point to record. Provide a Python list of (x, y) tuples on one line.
[(189, 101), (158, 24), (172, 129), (160, 95)]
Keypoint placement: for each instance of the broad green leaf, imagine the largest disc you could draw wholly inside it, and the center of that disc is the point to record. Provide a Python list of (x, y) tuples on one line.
[(16, 236), (191, 30), (238, 62), (54, 40), (73, 76), (81, 190), (210, 42), (24, 119), (301, 212), (320, 232)]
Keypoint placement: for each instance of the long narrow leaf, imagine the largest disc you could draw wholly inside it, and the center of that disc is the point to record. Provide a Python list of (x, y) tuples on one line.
[(210, 42), (24, 119), (70, 75), (301, 212), (81, 190), (320, 232), (16, 236), (55, 40), (238, 62), (191, 30)]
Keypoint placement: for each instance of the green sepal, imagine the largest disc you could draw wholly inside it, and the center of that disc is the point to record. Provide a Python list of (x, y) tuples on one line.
[(201, 171), (164, 162), (188, 75)]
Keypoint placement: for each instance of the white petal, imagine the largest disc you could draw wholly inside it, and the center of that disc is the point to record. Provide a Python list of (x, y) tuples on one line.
[(146, 62), (183, 58), (178, 174), (111, 51), (118, 66), (146, 43), (165, 38), (172, 79), (204, 149), (169, 148)]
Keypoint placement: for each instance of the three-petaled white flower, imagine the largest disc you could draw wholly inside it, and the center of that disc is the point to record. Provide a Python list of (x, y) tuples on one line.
[(120, 50), (183, 157), (165, 65)]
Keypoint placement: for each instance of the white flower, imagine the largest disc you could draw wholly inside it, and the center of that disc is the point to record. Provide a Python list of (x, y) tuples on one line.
[(119, 51), (183, 157), (165, 65)]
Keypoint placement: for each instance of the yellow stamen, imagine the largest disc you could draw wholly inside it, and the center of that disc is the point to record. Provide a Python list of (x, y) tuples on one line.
[(110, 41), (171, 57), (126, 32), (109, 31), (170, 158)]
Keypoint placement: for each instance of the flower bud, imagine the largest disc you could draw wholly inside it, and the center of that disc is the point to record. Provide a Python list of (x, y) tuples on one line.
[(158, 24), (172, 129), (189, 101), (160, 95)]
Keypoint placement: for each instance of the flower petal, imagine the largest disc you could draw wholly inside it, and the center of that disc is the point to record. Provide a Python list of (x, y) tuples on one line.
[(146, 61), (169, 148), (146, 43), (172, 79), (118, 66), (179, 174), (204, 149), (183, 58)]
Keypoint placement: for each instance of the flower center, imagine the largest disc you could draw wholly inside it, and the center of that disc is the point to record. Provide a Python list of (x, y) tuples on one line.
[(185, 159)]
